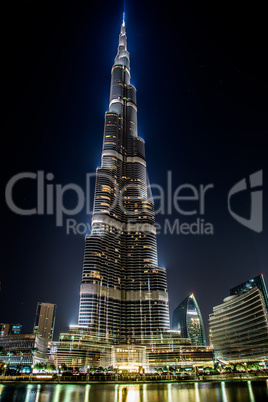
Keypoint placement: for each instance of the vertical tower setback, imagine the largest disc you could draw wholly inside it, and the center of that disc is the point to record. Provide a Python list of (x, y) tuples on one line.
[(123, 294)]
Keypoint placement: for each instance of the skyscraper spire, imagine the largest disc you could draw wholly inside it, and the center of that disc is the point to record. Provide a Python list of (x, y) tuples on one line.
[(122, 56)]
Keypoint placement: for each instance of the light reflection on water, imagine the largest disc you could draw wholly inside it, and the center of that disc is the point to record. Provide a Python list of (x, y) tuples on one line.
[(251, 395), (251, 391), (223, 390)]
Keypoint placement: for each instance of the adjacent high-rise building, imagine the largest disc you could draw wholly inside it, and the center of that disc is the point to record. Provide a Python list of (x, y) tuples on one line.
[(239, 326), (257, 281), (123, 294), (45, 320), (187, 319), (9, 329)]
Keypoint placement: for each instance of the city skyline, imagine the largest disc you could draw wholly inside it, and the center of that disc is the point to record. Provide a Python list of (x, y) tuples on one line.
[(179, 132)]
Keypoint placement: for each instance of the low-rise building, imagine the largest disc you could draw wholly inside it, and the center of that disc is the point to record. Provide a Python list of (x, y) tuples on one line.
[(78, 348), (22, 350)]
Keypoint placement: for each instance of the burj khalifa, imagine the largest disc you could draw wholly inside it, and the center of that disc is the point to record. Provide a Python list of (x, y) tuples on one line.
[(123, 294)]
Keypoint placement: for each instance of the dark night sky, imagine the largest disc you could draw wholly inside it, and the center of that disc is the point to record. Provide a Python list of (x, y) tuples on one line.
[(200, 72)]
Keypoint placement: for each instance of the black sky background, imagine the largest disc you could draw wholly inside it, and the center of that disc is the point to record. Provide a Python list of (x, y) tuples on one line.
[(200, 71)]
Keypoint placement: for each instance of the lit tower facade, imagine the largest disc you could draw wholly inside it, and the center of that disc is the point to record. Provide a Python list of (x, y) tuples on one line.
[(257, 281), (187, 319), (45, 320), (123, 294)]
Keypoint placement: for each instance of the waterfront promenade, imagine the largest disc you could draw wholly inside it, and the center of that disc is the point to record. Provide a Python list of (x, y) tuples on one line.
[(133, 378)]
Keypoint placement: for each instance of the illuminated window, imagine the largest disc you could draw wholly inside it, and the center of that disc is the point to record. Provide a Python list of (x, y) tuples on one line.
[(94, 274)]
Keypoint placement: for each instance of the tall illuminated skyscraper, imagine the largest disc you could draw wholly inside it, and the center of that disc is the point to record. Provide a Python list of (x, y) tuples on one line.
[(187, 319), (123, 294), (45, 320)]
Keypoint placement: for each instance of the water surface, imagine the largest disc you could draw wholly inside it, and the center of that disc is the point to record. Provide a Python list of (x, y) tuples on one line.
[(242, 391)]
